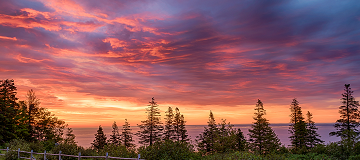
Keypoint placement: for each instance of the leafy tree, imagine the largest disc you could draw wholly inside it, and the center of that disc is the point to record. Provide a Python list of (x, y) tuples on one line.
[(48, 127), (207, 139), (169, 131), (151, 129), (297, 126), (263, 139), (127, 135), (100, 139), (115, 138), (347, 126), (179, 126), (12, 121), (312, 136)]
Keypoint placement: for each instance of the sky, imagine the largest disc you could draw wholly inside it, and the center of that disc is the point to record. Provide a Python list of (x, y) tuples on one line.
[(94, 62)]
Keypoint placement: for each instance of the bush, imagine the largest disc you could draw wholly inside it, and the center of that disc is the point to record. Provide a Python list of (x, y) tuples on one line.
[(169, 150), (233, 156), (118, 151), (15, 144), (68, 149)]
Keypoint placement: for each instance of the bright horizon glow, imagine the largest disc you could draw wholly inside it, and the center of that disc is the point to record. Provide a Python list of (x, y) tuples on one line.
[(92, 63)]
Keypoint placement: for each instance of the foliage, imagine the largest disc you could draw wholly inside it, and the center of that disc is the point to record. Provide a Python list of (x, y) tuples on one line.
[(263, 139), (118, 151), (312, 136), (297, 126), (179, 126), (169, 131), (32, 107), (151, 129), (349, 116), (115, 136), (12, 117), (127, 135), (206, 140), (100, 139), (168, 150), (70, 137)]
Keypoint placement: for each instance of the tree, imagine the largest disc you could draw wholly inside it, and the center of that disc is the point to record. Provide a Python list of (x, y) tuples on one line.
[(127, 135), (100, 139), (312, 137), (12, 120), (169, 131), (179, 127), (32, 104), (48, 127), (70, 137), (297, 126), (240, 140), (151, 129), (115, 138), (207, 139), (347, 125), (262, 138)]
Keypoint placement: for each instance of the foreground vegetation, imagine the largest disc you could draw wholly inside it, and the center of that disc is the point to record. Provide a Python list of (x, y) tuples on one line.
[(26, 125)]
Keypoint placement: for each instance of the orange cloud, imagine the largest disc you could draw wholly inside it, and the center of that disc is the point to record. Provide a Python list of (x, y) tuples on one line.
[(8, 38)]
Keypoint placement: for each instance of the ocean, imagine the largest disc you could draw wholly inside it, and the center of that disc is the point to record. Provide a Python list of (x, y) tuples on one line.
[(85, 136)]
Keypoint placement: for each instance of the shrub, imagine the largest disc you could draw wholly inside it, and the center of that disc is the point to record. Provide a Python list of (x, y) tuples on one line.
[(169, 150)]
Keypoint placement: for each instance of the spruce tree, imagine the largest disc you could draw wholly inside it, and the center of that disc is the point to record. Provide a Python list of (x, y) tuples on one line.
[(207, 139), (115, 138), (297, 126), (169, 132), (312, 136), (263, 139), (100, 139), (240, 140), (70, 137), (32, 104), (151, 129), (347, 126), (180, 132), (127, 135), (12, 121)]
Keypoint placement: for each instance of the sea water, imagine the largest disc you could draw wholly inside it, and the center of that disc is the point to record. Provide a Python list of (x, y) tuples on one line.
[(85, 136)]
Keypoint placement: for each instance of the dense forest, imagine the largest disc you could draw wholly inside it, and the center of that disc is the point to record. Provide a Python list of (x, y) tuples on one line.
[(26, 125)]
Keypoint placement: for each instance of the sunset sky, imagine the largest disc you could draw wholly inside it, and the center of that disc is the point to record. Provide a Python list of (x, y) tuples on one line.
[(93, 62)]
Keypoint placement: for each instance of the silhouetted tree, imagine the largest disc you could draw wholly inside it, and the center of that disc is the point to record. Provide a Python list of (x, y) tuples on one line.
[(127, 135), (240, 140), (347, 126), (12, 121), (151, 129), (32, 104), (297, 126), (262, 138), (179, 126), (70, 137), (48, 127), (100, 139), (169, 132), (312, 136), (207, 139), (115, 138)]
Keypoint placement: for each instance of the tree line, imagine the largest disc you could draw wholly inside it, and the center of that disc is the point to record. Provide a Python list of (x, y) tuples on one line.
[(28, 121)]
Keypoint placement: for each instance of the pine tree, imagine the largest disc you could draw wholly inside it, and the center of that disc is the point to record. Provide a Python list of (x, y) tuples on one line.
[(207, 139), (100, 139), (151, 129), (115, 138), (298, 126), (312, 137), (347, 126), (127, 135), (32, 104), (12, 121), (262, 138), (70, 137), (169, 132), (180, 132), (240, 140)]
